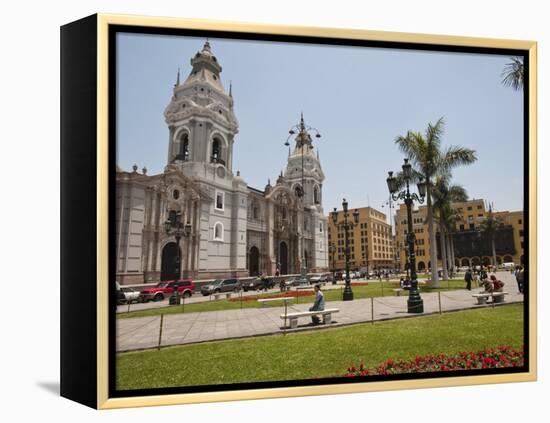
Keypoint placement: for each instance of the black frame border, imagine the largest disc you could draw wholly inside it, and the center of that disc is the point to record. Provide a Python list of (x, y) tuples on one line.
[(235, 35)]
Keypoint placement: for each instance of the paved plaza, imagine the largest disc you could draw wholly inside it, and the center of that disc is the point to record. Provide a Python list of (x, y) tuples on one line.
[(188, 328)]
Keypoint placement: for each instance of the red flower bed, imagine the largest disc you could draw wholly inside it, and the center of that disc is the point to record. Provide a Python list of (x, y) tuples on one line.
[(282, 294), (359, 283), (488, 358)]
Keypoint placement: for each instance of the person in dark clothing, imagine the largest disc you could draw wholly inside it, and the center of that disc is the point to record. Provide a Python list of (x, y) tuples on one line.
[(483, 273), (468, 278), (520, 279)]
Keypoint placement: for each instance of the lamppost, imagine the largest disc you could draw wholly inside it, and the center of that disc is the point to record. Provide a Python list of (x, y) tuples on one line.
[(390, 205), (348, 293), (478, 237), (415, 304), (175, 226), (303, 140), (366, 257), (332, 249)]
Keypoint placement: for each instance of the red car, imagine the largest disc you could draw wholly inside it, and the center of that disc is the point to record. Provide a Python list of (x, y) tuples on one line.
[(162, 290)]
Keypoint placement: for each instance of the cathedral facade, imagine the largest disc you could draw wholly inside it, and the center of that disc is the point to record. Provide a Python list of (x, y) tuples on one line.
[(229, 229)]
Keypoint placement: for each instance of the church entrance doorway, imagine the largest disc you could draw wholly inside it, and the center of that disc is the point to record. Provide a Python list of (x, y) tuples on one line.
[(283, 258), (254, 261), (168, 266)]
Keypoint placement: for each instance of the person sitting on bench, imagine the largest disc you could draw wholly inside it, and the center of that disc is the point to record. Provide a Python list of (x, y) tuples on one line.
[(497, 284), (487, 284), (318, 305)]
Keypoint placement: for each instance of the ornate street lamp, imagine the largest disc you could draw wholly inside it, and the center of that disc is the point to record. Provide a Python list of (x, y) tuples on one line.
[(346, 225), (175, 226), (415, 304), (303, 140), (332, 250)]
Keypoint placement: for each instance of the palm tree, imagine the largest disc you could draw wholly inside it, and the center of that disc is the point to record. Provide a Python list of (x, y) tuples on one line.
[(429, 160), (444, 195), (452, 221), (512, 74), (490, 225)]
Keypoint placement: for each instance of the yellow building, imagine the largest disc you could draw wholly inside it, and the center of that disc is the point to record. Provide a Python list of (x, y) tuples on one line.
[(420, 228), (514, 219), (370, 241), (469, 246)]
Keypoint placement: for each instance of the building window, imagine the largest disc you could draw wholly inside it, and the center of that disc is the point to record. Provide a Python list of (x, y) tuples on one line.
[(219, 200), (217, 152), (321, 227), (316, 196), (218, 231), (521, 232)]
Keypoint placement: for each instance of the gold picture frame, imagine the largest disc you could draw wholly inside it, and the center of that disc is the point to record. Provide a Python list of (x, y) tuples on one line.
[(102, 400)]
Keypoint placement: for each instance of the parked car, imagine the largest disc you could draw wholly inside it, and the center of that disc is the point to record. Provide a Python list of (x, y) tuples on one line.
[(297, 281), (315, 278), (162, 290), (258, 284), (219, 285), (326, 277), (321, 278), (128, 295)]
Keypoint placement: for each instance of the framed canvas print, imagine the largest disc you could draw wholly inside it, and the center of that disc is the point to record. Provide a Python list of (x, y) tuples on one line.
[(254, 211)]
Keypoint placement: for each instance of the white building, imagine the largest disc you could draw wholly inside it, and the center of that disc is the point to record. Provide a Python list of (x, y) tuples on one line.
[(235, 230)]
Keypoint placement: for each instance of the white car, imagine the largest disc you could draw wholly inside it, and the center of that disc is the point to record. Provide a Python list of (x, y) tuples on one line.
[(130, 295)]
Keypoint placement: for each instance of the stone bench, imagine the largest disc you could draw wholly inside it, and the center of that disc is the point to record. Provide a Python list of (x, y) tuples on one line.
[(217, 295), (293, 317), (264, 301), (482, 297)]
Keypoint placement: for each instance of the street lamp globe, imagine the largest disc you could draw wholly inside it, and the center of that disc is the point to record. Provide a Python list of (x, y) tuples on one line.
[(422, 186), (167, 226), (407, 170), (334, 216), (392, 183)]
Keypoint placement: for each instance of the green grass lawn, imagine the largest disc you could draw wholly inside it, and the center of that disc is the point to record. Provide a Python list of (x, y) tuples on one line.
[(374, 289), (324, 353)]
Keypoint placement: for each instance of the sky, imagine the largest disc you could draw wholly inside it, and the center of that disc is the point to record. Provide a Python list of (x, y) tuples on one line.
[(360, 99)]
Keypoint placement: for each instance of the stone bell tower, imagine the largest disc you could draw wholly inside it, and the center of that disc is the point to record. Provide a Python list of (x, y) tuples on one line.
[(200, 117), (202, 128)]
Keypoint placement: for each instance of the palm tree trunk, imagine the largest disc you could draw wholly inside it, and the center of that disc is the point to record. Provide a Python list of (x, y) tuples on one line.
[(494, 251), (431, 233), (443, 245), (451, 252)]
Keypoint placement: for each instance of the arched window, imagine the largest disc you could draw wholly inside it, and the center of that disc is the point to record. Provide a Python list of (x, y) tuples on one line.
[(183, 153), (316, 199), (217, 152), (218, 231)]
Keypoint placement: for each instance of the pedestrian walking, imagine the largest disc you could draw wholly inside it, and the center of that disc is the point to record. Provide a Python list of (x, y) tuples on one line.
[(468, 278)]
